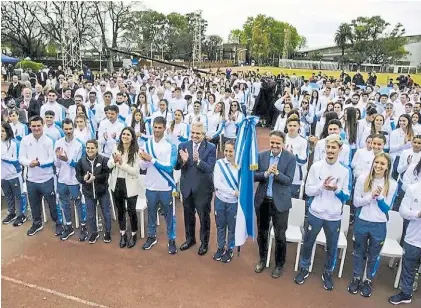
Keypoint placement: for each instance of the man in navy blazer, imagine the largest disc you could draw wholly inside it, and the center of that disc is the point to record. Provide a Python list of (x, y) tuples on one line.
[(273, 199), (196, 159)]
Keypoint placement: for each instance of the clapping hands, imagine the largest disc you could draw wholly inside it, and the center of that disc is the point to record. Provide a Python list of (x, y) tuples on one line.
[(89, 177), (330, 183)]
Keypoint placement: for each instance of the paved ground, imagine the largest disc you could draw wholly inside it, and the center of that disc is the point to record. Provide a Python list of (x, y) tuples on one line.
[(42, 271)]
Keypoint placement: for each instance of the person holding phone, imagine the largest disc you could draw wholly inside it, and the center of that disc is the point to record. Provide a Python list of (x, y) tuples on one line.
[(374, 196)]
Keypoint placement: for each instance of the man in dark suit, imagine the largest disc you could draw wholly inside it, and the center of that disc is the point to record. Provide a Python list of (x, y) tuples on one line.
[(273, 199), (196, 159)]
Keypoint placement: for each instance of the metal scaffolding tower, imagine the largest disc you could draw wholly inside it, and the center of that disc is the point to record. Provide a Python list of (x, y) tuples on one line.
[(197, 38), (70, 40)]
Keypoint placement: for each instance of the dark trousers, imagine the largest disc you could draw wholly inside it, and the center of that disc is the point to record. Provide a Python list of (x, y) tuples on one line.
[(202, 204), (120, 199), (104, 203), (35, 193), (264, 213), (12, 192), (410, 260)]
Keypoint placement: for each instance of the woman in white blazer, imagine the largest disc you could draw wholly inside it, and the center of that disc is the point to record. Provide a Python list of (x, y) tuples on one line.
[(124, 164)]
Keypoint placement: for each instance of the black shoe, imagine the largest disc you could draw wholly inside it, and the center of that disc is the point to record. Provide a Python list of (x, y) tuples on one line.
[(260, 266), (354, 285), (83, 233), (301, 276), (34, 229), (217, 256), (150, 241), (59, 230), (93, 238), (172, 248), (132, 241), (9, 218), (203, 249), (107, 237), (68, 232), (123, 240), (400, 298), (277, 272), (19, 220), (327, 280), (366, 288), (227, 257), (186, 245)]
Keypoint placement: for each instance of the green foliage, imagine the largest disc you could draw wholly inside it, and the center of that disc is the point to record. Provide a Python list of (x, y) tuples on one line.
[(267, 39), (51, 50), (370, 40), (315, 56), (27, 64)]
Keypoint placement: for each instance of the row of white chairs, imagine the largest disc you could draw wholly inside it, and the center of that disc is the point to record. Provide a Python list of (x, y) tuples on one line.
[(295, 233)]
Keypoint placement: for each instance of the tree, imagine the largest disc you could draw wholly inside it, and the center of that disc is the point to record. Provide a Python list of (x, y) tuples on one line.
[(211, 46), (374, 43), (21, 29), (267, 39), (315, 56), (343, 36), (113, 13)]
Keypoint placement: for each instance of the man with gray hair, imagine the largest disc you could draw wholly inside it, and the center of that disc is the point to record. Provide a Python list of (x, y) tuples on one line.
[(196, 160)]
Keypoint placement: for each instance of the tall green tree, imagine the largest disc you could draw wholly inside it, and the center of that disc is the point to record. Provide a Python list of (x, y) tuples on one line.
[(211, 46), (374, 42), (343, 36)]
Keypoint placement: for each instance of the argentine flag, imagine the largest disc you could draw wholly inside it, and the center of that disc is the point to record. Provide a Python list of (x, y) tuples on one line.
[(246, 159)]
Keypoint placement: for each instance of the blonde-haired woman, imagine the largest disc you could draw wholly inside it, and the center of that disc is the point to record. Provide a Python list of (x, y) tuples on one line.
[(374, 195)]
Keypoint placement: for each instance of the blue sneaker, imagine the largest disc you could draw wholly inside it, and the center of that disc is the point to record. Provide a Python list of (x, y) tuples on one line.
[(327, 280), (400, 298), (227, 256), (301, 276), (218, 254), (172, 248)]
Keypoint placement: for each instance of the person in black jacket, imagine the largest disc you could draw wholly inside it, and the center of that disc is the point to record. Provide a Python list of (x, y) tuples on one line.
[(92, 172)]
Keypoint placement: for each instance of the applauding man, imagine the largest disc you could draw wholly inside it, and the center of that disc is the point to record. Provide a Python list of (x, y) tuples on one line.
[(159, 157), (196, 159)]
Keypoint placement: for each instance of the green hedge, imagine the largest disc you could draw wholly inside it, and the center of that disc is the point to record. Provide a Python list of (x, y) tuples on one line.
[(26, 64)]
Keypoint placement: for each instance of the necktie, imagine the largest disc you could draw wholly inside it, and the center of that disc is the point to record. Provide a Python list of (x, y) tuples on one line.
[(195, 147)]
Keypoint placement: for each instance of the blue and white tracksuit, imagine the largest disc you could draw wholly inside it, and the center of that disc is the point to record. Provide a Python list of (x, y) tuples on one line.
[(370, 226), (410, 209), (68, 187), (325, 209), (298, 146), (11, 177), (225, 179), (106, 146), (157, 181), (40, 181)]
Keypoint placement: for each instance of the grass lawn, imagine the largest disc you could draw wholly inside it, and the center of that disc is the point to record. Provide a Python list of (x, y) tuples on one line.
[(382, 78)]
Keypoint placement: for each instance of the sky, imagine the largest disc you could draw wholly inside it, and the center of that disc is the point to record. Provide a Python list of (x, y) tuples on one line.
[(316, 20)]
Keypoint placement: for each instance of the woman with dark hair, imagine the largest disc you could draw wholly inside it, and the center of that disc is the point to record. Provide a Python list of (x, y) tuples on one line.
[(143, 105), (216, 123), (328, 116), (400, 139), (351, 129), (11, 177), (282, 118), (124, 164), (378, 127), (320, 124), (178, 131), (235, 116), (416, 122), (138, 125), (210, 105)]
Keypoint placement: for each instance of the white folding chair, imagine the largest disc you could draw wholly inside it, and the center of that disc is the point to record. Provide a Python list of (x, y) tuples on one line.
[(391, 247), (342, 241), (177, 176), (111, 201), (44, 211), (293, 232)]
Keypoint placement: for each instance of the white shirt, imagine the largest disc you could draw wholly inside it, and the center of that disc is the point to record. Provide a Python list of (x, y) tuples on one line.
[(66, 170), (370, 208), (41, 149), (230, 128), (59, 112), (327, 205), (361, 162), (409, 209), (166, 158), (178, 104), (10, 167), (223, 190), (298, 146), (108, 128), (320, 152)]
